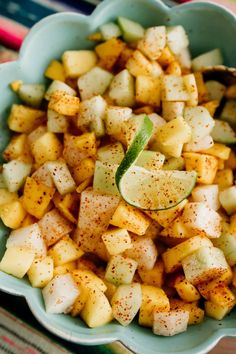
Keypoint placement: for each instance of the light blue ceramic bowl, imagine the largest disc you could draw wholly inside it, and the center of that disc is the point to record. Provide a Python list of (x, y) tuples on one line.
[(208, 26)]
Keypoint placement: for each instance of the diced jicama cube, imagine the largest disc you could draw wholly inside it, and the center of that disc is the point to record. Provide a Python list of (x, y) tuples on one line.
[(205, 165), (17, 261), (97, 310), (153, 42), (85, 278), (191, 86), (41, 272), (184, 58), (78, 62), (120, 270), (201, 219), (57, 85), (104, 178), (172, 257), (212, 58), (61, 176), (95, 209), (172, 109), (54, 226), (60, 294), (200, 145), (130, 218), (228, 113), (228, 200), (132, 31), (14, 174), (117, 241), (177, 39), (94, 82), (143, 251), (91, 114), (65, 251), (42, 175), (215, 90), (29, 236), (200, 121), (208, 195), (57, 123), (204, 264), (126, 302), (115, 116), (122, 89), (111, 154), (170, 323), (173, 89), (153, 299)]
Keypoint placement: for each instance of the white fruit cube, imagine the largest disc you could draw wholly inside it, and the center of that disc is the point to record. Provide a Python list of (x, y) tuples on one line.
[(120, 270), (200, 218), (54, 226), (14, 174), (122, 89), (126, 302), (91, 111), (154, 42), (97, 310), (78, 62), (29, 236), (228, 200), (172, 109), (65, 251), (116, 241), (204, 264), (173, 89), (204, 143), (17, 261), (94, 82), (60, 294), (57, 123), (200, 121), (177, 39), (111, 154), (115, 117), (41, 272), (57, 85), (208, 195), (61, 177), (143, 251), (170, 323)]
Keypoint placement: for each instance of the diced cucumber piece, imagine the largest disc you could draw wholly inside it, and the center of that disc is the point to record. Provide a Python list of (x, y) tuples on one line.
[(229, 112), (132, 31), (111, 154), (223, 133), (122, 89), (104, 178), (212, 58), (14, 174), (215, 90), (228, 200), (32, 94), (57, 85), (110, 30), (227, 243)]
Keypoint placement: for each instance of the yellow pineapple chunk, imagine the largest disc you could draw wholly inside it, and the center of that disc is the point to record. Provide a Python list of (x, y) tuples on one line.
[(216, 311), (187, 291), (84, 170), (65, 251), (211, 106), (130, 218), (231, 162), (218, 150), (80, 301), (201, 87), (12, 214), (24, 119), (15, 85), (174, 68), (109, 52), (47, 148), (154, 276), (89, 280), (138, 64), (41, 272), (148, 90), (63, 103), (205, 165), (78, 62), (17, 261), (172, 257), (18, 149), (196, 314), (65, 268), (224, 178), (153, 298), (36, 197), (167, 57), (55, 71)]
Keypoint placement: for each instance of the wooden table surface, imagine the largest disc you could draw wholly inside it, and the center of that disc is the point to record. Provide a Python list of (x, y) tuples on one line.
[(225, 346)]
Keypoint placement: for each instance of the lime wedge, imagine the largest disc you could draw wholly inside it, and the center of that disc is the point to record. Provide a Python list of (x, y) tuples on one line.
[(146, 189)]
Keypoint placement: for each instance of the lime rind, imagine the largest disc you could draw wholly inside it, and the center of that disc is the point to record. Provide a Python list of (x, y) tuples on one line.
[(148, 190)]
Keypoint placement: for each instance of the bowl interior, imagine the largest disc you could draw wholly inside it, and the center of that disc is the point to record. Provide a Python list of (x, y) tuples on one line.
[(208, 27)]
